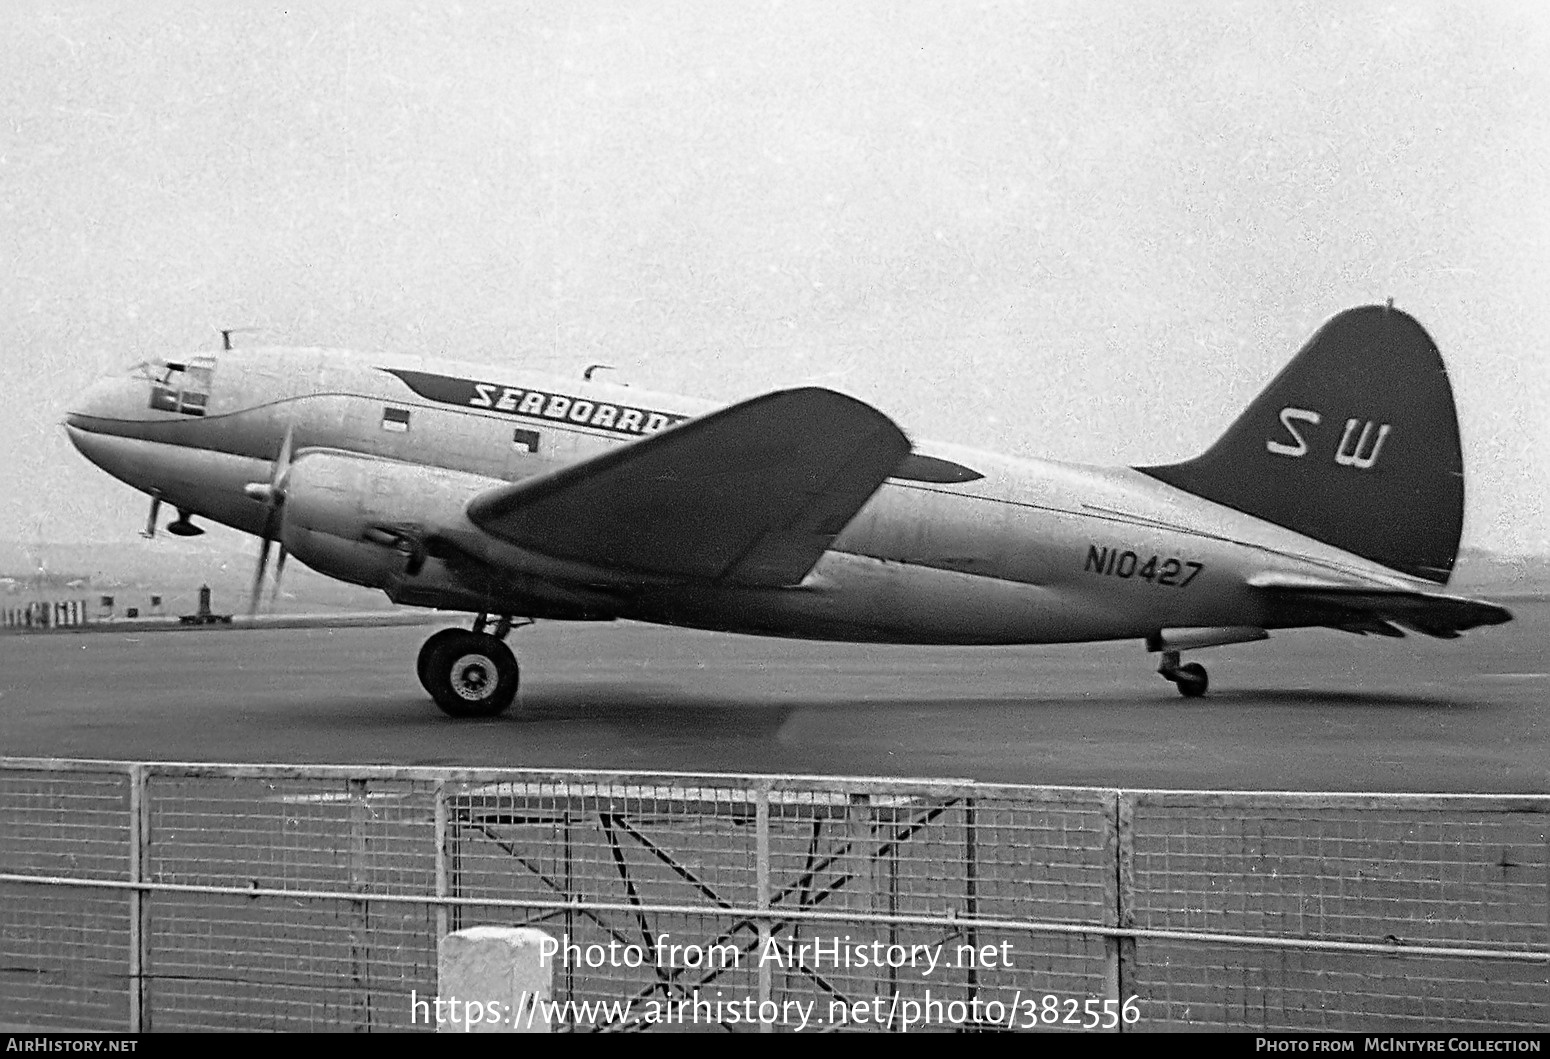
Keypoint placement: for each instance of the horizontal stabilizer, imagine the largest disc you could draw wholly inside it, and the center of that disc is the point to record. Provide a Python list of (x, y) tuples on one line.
[(1373, 609), (751, 495)]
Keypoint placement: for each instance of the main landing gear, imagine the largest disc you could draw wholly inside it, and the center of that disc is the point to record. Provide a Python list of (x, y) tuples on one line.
[(470, 673), (1191, 678)]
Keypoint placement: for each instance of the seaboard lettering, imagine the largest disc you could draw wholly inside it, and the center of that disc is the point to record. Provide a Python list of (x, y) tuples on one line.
[(537, 404)]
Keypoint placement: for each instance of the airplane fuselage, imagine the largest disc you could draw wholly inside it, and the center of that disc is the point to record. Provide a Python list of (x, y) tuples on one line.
[(960, 547)]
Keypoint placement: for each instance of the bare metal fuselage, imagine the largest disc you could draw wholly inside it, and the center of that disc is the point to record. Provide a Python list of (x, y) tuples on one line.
[(1031, 552)]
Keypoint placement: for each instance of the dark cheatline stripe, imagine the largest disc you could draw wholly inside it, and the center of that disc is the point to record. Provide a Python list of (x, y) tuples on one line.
[(918, 468)]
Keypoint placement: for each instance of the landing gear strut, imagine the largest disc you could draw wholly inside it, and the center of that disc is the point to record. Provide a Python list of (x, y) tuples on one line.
[(470, 673), (1190, 678)]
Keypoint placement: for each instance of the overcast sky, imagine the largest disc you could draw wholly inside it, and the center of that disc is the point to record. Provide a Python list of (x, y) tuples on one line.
[(1079, 230)]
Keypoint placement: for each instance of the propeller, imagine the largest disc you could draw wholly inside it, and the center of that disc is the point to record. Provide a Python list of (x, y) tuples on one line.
[(279, 572), (272, 495), (150, 523)]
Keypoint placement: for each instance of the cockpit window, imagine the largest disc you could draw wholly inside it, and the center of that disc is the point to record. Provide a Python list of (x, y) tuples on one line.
[(179, 386)]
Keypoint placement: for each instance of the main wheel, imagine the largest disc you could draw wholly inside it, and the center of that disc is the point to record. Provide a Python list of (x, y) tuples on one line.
[(426, 650), (470, 674), (1192, 680)]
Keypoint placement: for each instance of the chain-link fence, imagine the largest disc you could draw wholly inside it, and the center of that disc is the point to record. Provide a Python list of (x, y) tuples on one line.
[(170, 896)]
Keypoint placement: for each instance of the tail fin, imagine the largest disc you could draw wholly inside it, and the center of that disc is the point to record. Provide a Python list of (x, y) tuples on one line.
[(1355, 443)]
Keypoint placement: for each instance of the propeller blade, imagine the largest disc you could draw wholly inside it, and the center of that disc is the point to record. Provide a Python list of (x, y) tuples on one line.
[(150, 523), (273, 496), (279, 572), (282, 462), (415, 562), (258, 575)]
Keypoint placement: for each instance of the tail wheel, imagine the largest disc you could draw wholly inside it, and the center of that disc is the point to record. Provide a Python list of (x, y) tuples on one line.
[(1192, 680), (469, 674)]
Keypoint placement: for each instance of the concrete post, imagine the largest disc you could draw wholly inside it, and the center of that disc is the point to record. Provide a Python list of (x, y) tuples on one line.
[(497, 976)]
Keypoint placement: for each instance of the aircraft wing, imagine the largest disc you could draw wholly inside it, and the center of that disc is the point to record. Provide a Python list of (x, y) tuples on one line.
[(1373, 609), (752, 494)]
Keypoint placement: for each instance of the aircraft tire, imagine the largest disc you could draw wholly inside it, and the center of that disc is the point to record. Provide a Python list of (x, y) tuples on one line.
[(471, 674), (1192, 680), (421, 664)]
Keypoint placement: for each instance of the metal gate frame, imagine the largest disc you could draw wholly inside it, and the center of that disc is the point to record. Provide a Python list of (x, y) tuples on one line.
[(1203, 904)]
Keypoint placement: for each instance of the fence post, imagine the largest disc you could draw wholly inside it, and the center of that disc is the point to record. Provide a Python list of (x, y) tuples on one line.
[(889, 865), (1120, 953), (570, 898), (441, 859), (971, 897), (139, 902), (762, 897), (360, 908)]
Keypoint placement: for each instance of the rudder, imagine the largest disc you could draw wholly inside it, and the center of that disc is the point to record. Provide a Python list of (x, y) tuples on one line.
[(1355, 443)]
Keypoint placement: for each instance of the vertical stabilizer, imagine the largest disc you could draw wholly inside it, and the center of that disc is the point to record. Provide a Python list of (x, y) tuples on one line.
[(1355, 443)]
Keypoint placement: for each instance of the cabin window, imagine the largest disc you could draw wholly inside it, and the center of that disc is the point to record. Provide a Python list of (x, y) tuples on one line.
[(396, 420), (524, 440)]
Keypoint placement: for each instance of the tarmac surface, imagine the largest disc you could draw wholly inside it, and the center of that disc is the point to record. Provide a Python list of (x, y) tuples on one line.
[(1307, 710)]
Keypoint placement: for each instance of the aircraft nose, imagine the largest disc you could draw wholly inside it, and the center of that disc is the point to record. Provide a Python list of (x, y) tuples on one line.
[(105, 399)]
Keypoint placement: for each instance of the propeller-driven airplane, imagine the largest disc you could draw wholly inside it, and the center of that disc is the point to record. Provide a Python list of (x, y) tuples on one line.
[(1335, 500)]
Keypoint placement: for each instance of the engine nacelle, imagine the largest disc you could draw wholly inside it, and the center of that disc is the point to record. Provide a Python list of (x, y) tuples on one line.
[(388, 525), (349, 497)]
